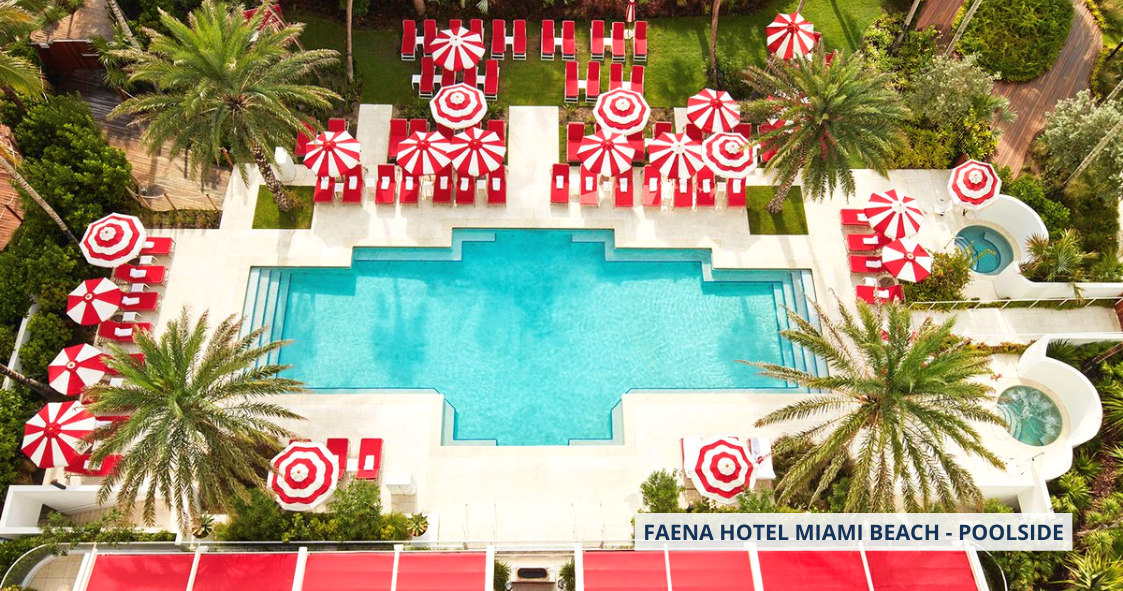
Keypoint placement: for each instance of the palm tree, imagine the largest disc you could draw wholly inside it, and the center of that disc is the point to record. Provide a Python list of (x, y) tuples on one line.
[(222, 82), (350, 25), (17, 75), (714, 9), (1059, 259), (42, 390), (199, 414), (894, 401), (841, 113), (8, 163)]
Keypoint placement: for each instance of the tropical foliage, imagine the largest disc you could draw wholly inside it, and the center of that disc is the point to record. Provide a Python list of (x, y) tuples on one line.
[(1071, 132), (1058, 259), (661, 492), (951, 272), (18, 75), (1017, 40)]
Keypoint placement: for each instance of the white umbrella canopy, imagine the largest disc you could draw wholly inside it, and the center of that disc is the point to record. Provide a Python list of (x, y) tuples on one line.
[(623, 111), (332, 153), (675, 155), (906, 260), (606, 154), (974, 184), (457, 49), (55, 436), (722, 469), (93, 301), (713, 111), (423, 153), (790, 36), (304, 475), (457, 106), (75, 368), (113, 240), (730, 155), (476, 152), (894, 215)]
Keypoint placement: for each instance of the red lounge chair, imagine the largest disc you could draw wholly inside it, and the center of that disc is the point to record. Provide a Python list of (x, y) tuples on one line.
[(615, 75), (145, 301), (339, 446), (477, 26), (872, 294), (684, 193), (865, 264), (465, 190), (707, 190), (324, 191), (491, 80), (854, 217), (596, 40), (694, 132), (865, 242), (497, 186), (399, 130), (735, 192), (472, 77), (590, 195), (387, 184), (745, 129), (425, 87), (652, 187), (625, 189), (370, 459), (448, 78), (411, 188), (445, 131), (430, 29), (498, 38), (592, 82), (337, 125), (353, 187), (442, 186), (639, 42), (455, 23), (548, 43), (518, 47), (571, 82), (660, 128), (618, 41), (122, 332), (569, 41), (157, 247), (81, 466), (559, 186), (574, 133), (636, 142), (409, 40), (146, 274), (303, 137), (636, 82), (416, 125), (499, 128)]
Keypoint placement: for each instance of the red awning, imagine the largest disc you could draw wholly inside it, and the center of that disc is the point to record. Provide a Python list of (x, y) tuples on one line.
[(624, 570), (823, 570), (141, 572), (349, 571), (711, 571), (919, 570), (259, 572), (442, 571)]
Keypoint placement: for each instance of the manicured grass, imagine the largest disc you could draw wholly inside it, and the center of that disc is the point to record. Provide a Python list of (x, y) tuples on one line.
[(386, 78), (792, 220), (267, 217)]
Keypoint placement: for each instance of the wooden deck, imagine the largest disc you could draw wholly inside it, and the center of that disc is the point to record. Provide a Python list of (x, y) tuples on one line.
[(940, 13), (11, 210)]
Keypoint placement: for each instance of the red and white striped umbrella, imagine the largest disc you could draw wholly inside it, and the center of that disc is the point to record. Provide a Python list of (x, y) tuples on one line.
[(54, 437), (75, 368), (606, 154), (906, 260), (974, 184), (113, 240), (476, 152), (675, 155), (93, 301), (332, 153), (713, 111), (457, 49), (457, 106), (623, 111), (894, 215), (729, 155), (722, 469), (630, 14), (423, 153), (790, 35), (303, 475)]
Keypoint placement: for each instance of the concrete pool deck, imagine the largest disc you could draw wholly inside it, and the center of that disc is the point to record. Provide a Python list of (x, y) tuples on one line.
[(539, 494)]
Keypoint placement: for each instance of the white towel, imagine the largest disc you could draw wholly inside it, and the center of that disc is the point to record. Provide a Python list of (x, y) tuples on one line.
[(354, 182), (870, 240), (588, 184), (559, 182), (496, 184), (138, 273), (881, 293), (624, 184), (706, 186), (324, 182), (653, 185), (409, 183), (385, 183), (444, 182), (122, 332), (130, 301)]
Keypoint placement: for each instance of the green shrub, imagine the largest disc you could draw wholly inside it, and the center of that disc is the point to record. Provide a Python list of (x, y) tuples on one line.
[(951, 272), (1017, 39), (567, 576), (501, 577), (914, 55), (357, 511), (661, 492), (257, 518), (16, 405), (395, 526), (48, 334), (923, 149), (1028, 190)]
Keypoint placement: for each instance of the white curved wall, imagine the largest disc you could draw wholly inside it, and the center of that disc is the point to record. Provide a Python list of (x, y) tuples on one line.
[(1016, 219)]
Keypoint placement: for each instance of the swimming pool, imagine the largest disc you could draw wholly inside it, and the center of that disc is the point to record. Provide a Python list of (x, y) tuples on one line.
[(532, 336), (1031, 416), (991, 250)]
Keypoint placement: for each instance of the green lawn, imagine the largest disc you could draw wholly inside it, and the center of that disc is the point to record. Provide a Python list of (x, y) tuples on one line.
[(792, 220), (677, 48), (267, 217)]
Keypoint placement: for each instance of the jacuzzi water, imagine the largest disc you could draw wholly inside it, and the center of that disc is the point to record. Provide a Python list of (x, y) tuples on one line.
[(991, 250), (1031, 416)]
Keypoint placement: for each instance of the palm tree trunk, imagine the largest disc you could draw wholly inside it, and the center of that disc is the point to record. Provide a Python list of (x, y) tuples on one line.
[(31, 192), (962, 27), (280, 195), (907, 25), (419, 7), (776, 205), (1091, 157), (350, 60), (800, 7), (43, 390), (16, 100), (713, 41)]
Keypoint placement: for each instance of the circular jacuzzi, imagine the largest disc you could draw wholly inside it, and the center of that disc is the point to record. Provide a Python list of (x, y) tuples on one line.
[(989, 249), (1031, 416)]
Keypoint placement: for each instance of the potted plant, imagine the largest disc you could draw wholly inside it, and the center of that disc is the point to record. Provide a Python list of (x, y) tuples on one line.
[(418, 525), (202, 526)]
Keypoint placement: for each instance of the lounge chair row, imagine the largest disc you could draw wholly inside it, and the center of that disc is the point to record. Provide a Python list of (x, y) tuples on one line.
[(391, 185), (305, 135), (552, 43), (400, 129), (591, 83), (121, 332), (575, 132), (870, 292), (615, 42), (412, 39), (427, 81), (369, 463), (700, 191)]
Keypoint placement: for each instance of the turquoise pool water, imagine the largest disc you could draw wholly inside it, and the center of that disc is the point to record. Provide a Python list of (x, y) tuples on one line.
[(1031, 416), (532, 336), (992, 251)]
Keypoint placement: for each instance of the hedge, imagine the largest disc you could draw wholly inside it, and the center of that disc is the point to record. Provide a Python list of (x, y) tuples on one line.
[(1017, 39)]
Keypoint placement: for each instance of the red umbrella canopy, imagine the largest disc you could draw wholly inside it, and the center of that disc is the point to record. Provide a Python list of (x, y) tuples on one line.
[(790, 35), (476, 152), (457, 49), (729, 155), (54, 437), (606, 154), (675, 155), (713, 111), (303, 475), (75, 368), (974, 184), (623, 111), (457, 106), (630, 13), (906, 260), (423, 153), (894, 215), (113, 240), (332, 153), (722, 469), (93, 301)]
